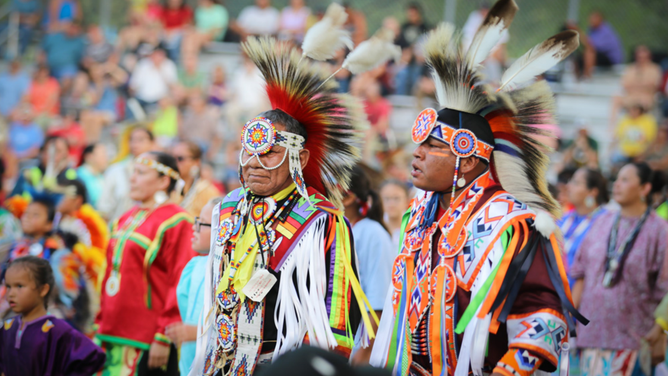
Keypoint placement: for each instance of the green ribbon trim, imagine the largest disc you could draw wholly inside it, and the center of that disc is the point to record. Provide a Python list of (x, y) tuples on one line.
[(482, 293), (123, 341)]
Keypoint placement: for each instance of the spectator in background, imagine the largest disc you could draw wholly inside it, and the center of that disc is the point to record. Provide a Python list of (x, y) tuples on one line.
[(293, 21), (634, 134), (53, 167), (218, 89), (165, 127), (356, 24), (563, 178), (244, 102), (211, 21), (68, 128), (25, 137), (63, 51), (14, 84), (395, 198), (607, 47), (117, 177), (44, 93), (259, 19), (588, 193), (191, 80), (414, 26), (61, 13), (201, 125), (197, 190), (582, 151), (373, 246), (98, 49), (103, 100), (176, 17), (641, 81), (94, 161), (153, 79), (29, 13), (657, 154), (378, 111), (620, 277)]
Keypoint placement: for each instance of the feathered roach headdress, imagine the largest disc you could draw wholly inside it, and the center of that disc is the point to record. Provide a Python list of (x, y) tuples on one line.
[(496, 126), (332, 121)]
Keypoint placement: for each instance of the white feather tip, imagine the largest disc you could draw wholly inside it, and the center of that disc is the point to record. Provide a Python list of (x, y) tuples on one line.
[(490, 32), (544, 223), (372, 52), (327, 36)]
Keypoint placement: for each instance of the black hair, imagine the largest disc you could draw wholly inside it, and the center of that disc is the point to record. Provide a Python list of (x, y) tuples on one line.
[(79, 186), (89, 149), (168, 161), (565, 175), (142, 129), (360, 186), (2, 173), (40, 271), (291, 124), (646, 176), (50, 139), (594, 179), (193, 148), (48, 205), (415, 6)]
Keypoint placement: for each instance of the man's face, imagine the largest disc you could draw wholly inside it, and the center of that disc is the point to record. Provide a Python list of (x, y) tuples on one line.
[(60, 152), (35, 220), (433, 166), (264, 182)]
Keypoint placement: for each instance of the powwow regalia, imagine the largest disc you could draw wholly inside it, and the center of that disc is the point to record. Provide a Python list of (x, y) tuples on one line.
[(282, 271), (479, 285)]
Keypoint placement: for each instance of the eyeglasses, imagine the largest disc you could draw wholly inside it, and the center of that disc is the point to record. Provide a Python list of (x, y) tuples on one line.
[(181, 158), (199, 224)]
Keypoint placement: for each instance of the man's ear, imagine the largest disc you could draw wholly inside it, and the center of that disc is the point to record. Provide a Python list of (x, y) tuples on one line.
[(467, 165), (304, 156)]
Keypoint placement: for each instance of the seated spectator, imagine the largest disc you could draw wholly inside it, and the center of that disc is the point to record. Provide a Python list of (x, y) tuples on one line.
[(581, 152), (103, 101), (293, 21), (634, 134), (166, 124), (10, 231), (414, 26), (153, 78), (43, 94), (356, 23), (91, 171), (14, 84), (54, 165), (98, 49), (201, 125), (640, 81), (191, 80), (244, 102), (218, 89), (657, 154), (259, 19), (25, 136), (176, 17), (145, 11), (63, 51), (211, 21), (77, 97), (71, 131), (378, 110), (606, 48), (29, 14), (61, 13)]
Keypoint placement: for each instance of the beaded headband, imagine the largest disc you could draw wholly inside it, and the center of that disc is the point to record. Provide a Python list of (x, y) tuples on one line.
[(259, 136), (161, 168)]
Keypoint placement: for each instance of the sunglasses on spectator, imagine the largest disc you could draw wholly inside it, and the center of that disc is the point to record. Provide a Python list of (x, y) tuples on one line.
[(181, 158), (199, 224)]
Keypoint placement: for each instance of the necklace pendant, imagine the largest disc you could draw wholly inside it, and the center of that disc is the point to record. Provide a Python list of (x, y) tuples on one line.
[(113, 284)]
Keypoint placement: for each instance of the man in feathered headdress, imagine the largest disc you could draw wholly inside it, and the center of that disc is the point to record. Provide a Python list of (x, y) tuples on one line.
[(479, 284), (282, 268)]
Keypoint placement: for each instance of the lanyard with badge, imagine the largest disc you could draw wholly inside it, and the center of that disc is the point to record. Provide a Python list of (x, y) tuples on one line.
[(617, 255)]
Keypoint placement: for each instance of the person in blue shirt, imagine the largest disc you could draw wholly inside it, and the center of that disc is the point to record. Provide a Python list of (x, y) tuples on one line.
[(25, 136), (373, 245), (64, 50), (190, 290), (14, 85), (94, 161)]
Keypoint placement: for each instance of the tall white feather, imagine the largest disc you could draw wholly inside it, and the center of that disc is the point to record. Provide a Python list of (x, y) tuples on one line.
[(372, 52), (488, 35), (327, 36), (539, 59)]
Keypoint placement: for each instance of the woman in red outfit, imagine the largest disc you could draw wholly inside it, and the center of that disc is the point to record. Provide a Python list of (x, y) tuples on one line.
[(150, 245)]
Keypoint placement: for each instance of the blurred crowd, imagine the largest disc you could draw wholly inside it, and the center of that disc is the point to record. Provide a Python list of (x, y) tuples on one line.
[(76, 113)]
